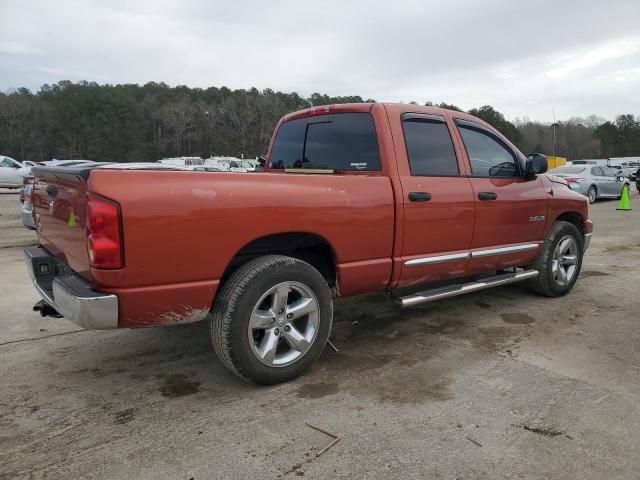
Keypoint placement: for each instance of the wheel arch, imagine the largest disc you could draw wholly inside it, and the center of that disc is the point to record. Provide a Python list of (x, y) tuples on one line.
[(308, 247), (574, 218)]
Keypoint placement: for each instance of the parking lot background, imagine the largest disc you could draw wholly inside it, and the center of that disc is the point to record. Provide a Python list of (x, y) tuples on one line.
[(497, 384)]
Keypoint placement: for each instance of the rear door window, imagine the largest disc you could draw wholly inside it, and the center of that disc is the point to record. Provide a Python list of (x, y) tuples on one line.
[(345, 141), (429, 146)]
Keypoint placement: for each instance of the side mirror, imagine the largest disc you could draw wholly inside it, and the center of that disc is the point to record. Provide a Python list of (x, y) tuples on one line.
[(536, 163)]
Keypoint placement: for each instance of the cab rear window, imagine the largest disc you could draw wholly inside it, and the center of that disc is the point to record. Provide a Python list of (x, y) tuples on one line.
[(345, 141)]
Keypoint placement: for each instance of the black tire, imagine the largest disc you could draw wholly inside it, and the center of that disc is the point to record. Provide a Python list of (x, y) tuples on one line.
[(545, 283), (234, 305), (592, 197)]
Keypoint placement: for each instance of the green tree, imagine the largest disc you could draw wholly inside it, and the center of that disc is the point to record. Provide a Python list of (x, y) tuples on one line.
[(497, 120), (131, 122)]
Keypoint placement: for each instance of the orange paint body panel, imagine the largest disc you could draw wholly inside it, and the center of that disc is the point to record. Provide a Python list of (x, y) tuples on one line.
[(182, 229)]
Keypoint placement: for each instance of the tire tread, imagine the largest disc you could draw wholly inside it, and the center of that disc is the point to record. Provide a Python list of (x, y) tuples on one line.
[(542, 283), (226, 303)]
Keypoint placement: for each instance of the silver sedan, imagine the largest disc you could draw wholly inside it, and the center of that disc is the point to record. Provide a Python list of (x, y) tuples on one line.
[(593, 181)]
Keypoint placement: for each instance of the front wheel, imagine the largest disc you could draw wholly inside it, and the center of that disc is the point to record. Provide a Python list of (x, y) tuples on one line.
[(559, 262), (271, 319)]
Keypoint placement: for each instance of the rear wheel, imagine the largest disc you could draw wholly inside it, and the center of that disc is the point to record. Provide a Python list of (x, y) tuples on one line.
[(272, 319), (559, 262), (592, 193)]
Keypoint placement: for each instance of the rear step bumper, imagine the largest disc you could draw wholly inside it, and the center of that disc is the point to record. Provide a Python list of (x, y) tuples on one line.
[(68, 293), (455, 290)]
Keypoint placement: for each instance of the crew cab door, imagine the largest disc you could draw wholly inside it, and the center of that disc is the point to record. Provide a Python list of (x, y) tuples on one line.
[(510, 210), (438, 205)]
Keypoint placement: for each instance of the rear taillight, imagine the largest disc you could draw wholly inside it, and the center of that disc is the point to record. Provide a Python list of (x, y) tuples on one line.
[(104, 235), (574, 180)]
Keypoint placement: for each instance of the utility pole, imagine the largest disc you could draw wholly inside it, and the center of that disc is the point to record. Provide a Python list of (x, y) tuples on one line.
[(554, 130)]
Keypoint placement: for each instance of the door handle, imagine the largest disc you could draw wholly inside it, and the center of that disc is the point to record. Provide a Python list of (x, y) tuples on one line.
[(487, 196), (419, 196)]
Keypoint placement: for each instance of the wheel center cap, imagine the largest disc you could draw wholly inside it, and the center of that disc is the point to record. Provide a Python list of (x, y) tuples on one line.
[(281, 322)]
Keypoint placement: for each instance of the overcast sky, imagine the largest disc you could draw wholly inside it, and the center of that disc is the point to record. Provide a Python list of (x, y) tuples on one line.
[(522, 57)]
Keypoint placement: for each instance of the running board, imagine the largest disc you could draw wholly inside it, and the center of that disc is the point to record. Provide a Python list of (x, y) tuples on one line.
[(455, 290)]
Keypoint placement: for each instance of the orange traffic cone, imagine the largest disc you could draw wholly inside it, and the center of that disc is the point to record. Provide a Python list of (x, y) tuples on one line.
[(624, 199)]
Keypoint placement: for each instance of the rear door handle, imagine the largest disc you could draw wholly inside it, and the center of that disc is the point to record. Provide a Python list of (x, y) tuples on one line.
[(487, 196), (419, 196)]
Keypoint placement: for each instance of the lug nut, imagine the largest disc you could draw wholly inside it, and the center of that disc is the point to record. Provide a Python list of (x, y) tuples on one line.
[(287, 328), (281, 311), (276, 332), (289, 316)]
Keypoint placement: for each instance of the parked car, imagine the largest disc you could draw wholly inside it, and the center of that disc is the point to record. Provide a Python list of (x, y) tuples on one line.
[(385, 196), (584, 162), (631, 170), (11, 172), (232, 165), (207, 168), (187, 162), (29, 163), (592, 181), (67, 163), (27, 206)]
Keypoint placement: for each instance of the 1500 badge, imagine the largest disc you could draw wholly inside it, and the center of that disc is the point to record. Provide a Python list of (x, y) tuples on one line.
[(537, 218)]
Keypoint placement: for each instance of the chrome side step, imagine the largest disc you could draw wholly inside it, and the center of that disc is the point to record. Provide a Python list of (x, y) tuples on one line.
[(455, 290)]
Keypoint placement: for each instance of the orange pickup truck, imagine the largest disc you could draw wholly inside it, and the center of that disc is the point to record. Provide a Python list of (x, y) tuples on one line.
[(421, 202)]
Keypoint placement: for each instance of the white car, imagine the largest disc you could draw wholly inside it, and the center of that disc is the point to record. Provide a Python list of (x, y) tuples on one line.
[(11, 172), (188, 162), (29, 163), (231, 165)]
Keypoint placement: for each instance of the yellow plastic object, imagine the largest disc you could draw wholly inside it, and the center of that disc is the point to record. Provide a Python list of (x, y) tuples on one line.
[(555, 162)]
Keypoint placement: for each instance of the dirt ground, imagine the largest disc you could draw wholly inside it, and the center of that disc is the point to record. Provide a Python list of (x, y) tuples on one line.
[(498, 384)]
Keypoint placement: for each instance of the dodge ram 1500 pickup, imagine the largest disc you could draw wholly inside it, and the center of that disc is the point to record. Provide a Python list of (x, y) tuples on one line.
[(421, 202)]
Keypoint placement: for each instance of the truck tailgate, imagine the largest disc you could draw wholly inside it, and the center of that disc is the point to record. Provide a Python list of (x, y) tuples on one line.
[(60, 200)]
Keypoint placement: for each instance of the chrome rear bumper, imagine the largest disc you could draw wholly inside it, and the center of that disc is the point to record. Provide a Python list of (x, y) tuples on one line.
[(70, 294)]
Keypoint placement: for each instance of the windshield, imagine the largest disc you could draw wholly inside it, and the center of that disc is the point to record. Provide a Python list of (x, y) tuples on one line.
[(565, 170)]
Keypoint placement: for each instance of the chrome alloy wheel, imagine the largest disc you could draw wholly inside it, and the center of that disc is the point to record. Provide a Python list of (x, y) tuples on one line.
[(565, 260), (284, 324)]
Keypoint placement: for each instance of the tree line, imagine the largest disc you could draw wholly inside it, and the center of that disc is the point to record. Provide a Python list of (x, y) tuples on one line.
[(152, 121)]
